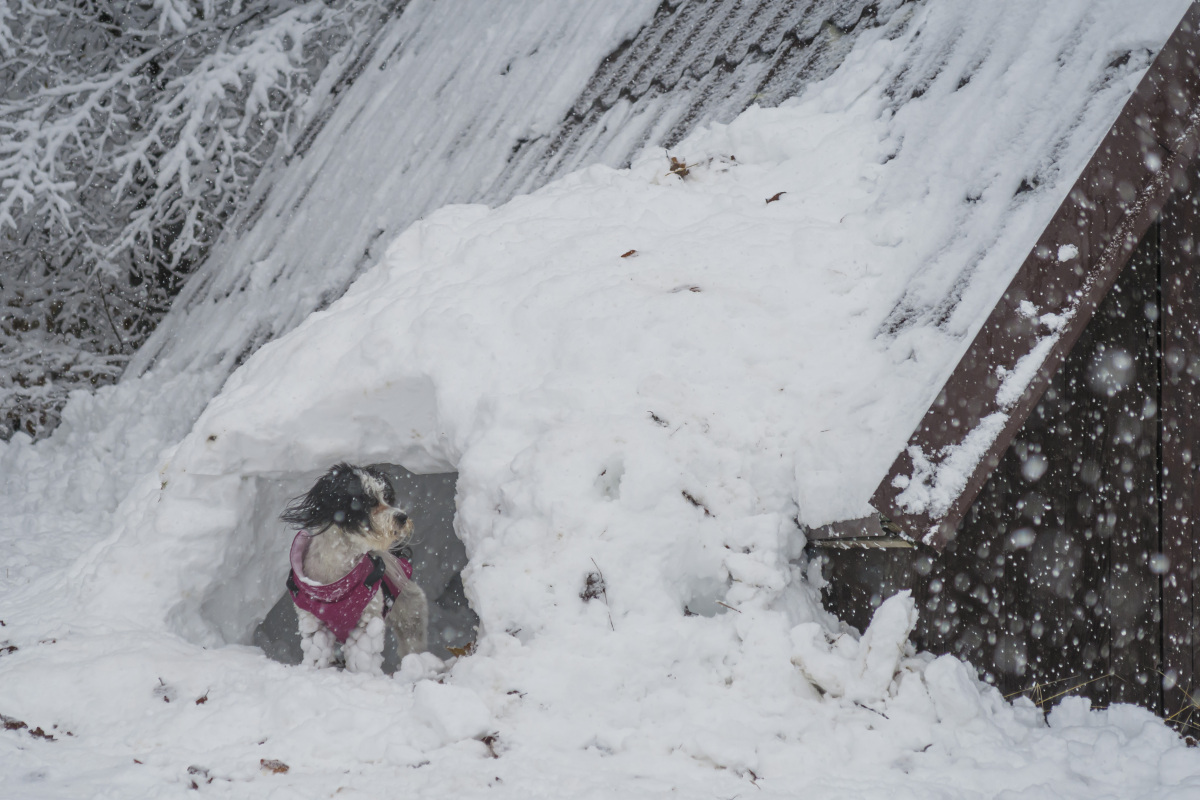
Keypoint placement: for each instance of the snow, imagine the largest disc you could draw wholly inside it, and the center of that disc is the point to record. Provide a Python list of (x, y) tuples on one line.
[(663, 418), (454, 712), (933, 488), (860, 670), (1014, 382)]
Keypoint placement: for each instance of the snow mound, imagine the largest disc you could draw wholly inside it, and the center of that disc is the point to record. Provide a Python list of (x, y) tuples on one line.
[(453, 712), (634, 414), (861, 670)]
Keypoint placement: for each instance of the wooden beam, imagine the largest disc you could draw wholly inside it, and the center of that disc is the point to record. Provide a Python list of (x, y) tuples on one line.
[(847, 529)]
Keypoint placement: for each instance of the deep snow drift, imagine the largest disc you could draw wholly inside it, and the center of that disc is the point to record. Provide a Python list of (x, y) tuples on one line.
[(640, 377)]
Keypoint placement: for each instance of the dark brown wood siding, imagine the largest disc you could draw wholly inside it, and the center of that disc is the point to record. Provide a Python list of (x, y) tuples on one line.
[(1180, 396), (1049, 579)]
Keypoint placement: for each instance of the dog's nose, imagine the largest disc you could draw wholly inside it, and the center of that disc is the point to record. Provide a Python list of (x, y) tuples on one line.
[(401, 518)]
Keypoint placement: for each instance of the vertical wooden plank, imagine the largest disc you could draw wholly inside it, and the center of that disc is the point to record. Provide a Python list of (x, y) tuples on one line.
[(1181, 450), (1130, 592)]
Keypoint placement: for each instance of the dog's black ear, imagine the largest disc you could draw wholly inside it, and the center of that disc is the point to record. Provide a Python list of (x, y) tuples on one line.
[(337, 498), (389, 491)]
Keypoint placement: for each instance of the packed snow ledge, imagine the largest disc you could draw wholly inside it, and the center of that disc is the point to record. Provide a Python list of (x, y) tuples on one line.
[(634, 373)]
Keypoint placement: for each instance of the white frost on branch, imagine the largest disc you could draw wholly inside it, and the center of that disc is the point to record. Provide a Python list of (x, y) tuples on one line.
[(130, 133)]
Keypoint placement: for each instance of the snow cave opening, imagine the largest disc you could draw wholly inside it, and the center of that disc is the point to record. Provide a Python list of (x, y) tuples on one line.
[(251, 604)]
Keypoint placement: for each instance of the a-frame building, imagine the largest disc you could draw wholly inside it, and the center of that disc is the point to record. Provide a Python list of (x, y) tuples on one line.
[(1051, 489)]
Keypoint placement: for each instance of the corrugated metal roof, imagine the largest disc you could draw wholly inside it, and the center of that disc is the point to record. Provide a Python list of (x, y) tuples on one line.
[(470, 103)]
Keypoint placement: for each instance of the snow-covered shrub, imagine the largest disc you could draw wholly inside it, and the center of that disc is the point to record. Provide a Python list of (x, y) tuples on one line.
[(130, 133)]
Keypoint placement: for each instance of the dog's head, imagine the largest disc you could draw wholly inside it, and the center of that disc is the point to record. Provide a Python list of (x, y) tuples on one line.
[(359, 500)]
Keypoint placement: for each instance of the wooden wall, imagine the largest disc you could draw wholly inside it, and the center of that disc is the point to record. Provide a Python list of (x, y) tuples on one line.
[(1075, 566)]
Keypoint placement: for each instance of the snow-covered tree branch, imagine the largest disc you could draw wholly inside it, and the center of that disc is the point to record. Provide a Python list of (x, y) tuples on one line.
[(130, 132)]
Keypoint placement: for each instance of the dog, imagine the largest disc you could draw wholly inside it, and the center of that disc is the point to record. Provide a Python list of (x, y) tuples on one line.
[(349, 575)]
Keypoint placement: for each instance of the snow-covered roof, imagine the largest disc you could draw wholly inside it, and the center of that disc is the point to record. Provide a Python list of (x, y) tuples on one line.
[(917, 178), (653, 375), (477, 118)]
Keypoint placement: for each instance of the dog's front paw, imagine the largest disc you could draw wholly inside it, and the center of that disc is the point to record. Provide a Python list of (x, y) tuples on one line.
[(317, 643), (318, 649), (364, 647)]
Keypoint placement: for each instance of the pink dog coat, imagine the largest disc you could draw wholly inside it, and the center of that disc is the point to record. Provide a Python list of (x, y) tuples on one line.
[(340, 604)]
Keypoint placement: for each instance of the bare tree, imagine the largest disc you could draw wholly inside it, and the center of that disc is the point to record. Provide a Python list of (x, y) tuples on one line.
[(130, 131)]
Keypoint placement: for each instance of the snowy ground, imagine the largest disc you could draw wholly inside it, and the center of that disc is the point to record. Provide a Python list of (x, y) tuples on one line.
[(634, 373)]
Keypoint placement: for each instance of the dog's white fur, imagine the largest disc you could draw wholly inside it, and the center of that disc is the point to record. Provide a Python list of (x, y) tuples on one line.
[(332, 553)]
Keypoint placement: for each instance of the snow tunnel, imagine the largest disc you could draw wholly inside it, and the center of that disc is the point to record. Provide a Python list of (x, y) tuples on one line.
[(250, 604)]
